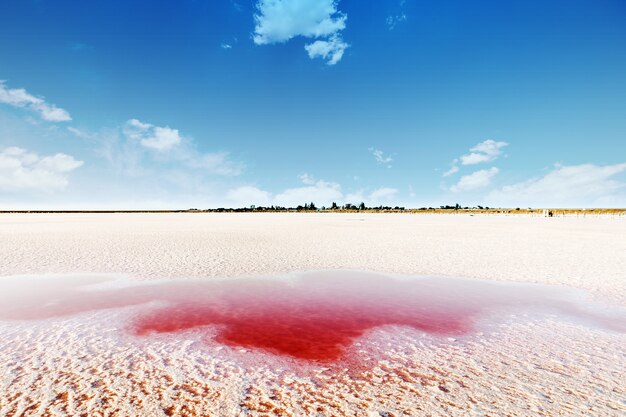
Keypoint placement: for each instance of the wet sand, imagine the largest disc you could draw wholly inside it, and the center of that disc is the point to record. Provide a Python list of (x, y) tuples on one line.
[(517, 362)]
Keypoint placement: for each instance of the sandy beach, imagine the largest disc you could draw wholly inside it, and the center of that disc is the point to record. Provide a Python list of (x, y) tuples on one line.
[(78, 364)]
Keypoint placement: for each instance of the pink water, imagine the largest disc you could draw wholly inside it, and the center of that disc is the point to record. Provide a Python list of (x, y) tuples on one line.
[(313, 316)]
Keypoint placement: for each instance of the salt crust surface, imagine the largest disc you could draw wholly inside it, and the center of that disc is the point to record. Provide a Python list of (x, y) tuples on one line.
[(588, 253), (83, 365)]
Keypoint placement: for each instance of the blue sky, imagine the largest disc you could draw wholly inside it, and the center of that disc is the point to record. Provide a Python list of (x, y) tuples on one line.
[(126, 104)]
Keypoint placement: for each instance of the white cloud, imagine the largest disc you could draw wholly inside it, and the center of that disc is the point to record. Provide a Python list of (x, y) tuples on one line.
[(281, 20), (475, 180), (382, 195), (248, 195), (160, 139), (380, 157), (226, 46), (585, 185), (18, 97), (331, 49), (486, 151), (24, 170), (278, 21)]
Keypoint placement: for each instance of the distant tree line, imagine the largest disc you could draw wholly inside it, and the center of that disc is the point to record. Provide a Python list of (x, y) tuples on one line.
[(306, 207), (458, 207), (309, 207)]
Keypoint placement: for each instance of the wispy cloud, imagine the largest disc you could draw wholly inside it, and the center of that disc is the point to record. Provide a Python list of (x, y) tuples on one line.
[(475, 180), (161, 145), (24, 170), (486, 151), (567, 186), (453, 169), (393, 20), (380, 157), (218, 163), (278, 21), (83, 134), (19, 97), (225, 45)]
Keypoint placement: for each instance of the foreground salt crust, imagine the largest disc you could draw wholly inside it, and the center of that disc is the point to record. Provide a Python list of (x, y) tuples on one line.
[(535, 366), (529, 366)]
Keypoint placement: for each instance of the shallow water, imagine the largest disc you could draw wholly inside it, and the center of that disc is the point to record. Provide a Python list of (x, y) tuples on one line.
[(313, 316)]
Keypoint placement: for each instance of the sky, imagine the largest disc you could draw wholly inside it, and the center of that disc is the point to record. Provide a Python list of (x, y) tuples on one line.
[(231, 103)]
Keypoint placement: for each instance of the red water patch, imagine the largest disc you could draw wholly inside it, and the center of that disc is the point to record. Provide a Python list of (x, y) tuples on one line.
[(301, 327)]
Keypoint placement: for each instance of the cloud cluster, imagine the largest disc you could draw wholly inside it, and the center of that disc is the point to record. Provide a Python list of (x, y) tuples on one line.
[(24, 170), (19, 97), (567, 186), (137, 149), (486, 151), (278, 21)]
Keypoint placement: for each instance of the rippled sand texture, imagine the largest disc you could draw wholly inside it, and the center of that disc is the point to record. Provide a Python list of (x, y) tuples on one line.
[(87, 363)]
